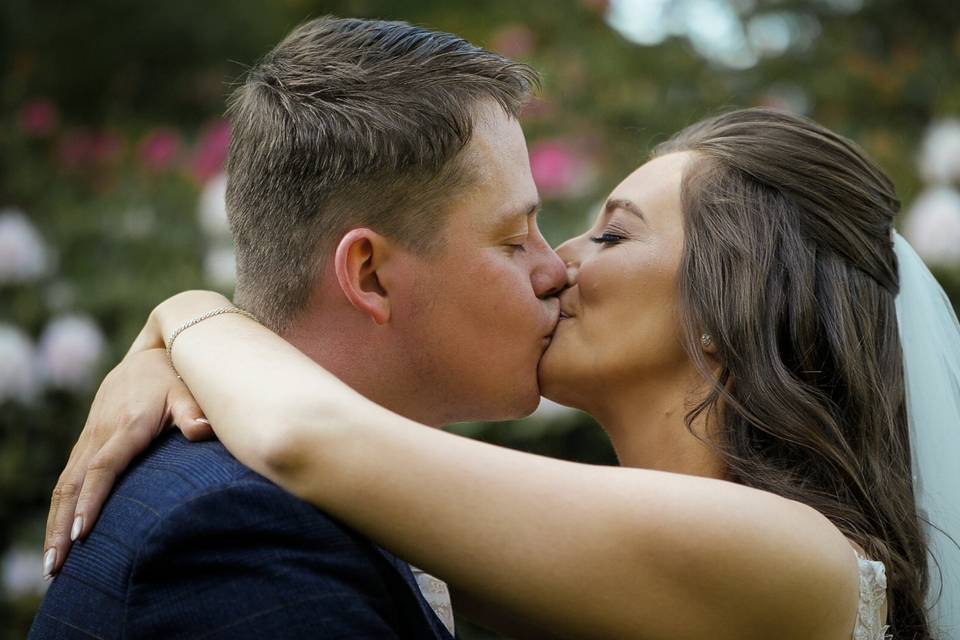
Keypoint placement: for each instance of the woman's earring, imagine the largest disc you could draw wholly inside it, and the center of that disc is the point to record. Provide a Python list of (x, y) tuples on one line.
[(706, 340)]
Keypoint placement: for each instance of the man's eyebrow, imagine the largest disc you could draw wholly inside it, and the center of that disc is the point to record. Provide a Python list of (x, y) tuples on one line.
[(626, 205), (523, 211)]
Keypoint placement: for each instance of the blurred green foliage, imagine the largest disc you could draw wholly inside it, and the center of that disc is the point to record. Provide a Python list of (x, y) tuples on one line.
[(126, 233)]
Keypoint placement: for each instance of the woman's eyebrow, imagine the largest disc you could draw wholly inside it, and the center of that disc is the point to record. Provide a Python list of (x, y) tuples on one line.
[(626, 205)]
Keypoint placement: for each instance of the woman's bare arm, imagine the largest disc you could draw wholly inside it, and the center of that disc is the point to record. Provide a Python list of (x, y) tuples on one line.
[(578, 550)]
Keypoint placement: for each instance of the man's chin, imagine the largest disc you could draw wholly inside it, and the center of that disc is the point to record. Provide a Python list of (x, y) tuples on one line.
[(552, 383), (525, 404), (517, 401)]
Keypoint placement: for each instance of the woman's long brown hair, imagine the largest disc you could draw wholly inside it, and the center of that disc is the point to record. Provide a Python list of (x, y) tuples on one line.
[(788, 263)]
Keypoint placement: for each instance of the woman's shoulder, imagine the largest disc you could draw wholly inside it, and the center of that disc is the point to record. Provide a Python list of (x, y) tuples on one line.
[(811, 566), (769, 566), (858, 594)]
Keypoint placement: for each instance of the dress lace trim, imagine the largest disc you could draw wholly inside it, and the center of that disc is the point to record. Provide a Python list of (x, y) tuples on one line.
[(873, 593)]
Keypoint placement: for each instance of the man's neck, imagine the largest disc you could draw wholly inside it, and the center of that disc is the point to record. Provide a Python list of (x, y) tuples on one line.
[(370, 371)]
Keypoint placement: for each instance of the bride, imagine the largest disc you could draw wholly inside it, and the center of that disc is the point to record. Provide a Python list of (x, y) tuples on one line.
[(731, 320)]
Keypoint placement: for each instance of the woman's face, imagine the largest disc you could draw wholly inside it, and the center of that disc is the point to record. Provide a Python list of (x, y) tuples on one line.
[(619, 324)]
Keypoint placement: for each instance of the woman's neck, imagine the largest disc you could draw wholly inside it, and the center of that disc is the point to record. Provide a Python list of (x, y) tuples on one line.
[(645, 422)]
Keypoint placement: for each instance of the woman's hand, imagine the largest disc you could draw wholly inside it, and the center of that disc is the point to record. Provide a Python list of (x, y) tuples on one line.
[(136, 401)]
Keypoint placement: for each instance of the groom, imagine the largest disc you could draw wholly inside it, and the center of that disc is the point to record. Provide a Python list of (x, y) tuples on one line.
[(383, 211)]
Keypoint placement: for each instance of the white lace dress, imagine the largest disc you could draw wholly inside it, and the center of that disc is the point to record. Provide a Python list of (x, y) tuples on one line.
[(873, 593)]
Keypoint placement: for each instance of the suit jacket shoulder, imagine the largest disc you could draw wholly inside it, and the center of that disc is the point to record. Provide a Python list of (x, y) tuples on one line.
[(194, 543)]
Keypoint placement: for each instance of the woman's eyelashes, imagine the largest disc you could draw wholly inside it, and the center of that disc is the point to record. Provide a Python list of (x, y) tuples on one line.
[(609, 237)]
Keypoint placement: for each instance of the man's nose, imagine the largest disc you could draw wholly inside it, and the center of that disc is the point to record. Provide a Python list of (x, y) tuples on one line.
[(550, 277)]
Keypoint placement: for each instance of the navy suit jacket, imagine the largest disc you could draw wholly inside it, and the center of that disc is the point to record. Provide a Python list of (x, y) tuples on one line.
[(192, 544)]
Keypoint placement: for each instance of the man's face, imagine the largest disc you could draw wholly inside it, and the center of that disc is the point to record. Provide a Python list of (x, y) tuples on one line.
[(482, 311)]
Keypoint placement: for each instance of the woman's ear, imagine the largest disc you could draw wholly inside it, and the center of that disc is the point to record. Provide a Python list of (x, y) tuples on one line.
[(360, 254)]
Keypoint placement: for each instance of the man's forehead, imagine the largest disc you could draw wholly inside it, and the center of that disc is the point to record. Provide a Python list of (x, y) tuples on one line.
[(503, 189), (497, 135)]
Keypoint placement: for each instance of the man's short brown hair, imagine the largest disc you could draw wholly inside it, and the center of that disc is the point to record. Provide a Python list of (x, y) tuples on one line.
[(350, 123)]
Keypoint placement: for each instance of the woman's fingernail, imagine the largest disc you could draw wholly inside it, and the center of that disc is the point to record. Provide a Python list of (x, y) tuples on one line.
[(49, 558), (203, 420), (77, 528)]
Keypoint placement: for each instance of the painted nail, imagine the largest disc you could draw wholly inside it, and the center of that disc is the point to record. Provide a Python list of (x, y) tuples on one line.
[(77, 528), (49, 558)]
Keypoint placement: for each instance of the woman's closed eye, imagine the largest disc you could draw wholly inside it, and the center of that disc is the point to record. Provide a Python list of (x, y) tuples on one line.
[(608, 238)]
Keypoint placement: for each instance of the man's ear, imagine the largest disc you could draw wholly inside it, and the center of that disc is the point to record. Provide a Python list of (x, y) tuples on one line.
[(360, 254)]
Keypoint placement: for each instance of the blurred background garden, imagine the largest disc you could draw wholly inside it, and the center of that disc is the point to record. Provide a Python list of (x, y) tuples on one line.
[(112, 143)]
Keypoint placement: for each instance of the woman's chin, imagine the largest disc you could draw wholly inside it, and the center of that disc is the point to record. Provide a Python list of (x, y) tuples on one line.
[(554, 376)]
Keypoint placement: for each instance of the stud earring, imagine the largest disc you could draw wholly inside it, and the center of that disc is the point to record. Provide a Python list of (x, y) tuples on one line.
[(706, 340)]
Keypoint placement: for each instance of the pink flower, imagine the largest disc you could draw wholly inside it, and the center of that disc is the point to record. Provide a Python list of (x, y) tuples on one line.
[(38, 118), (158, 149), (211, 151), (560, 170), (513, 41)]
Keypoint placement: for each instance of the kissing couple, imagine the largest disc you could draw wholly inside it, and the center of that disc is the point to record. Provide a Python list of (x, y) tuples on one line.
[(741, 318)]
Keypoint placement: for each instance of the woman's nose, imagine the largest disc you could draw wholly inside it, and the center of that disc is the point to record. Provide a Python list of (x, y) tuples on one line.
[(572, 271), (571, 262)]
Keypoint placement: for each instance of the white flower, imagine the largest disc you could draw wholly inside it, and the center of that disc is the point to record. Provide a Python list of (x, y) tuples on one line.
[(933, 226), (213, 207), (940, 155), (21, 573), (220, 266), (71, 347), (19, 379), (23, 256)]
